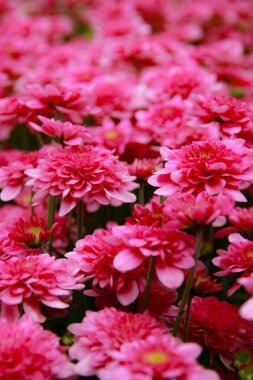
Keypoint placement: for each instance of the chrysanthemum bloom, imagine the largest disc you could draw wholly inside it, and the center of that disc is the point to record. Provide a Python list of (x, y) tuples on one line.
[(203, 283), (143, 168), (95, 255), (28, 352), (113, 136), (231, 116), (105, 331), (241, 220), (65, 132), (152, 215), (201, 209), (157, 357), (237, 259), (214, 166), (77, 173), (218, 326), (246, 310), (35, 279), (173, 251), (27, 235), (12, 175)]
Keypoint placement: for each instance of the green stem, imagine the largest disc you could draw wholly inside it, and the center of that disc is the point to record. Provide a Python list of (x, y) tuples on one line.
[(141, 200), (79, 219), (187, 319), (188, 285), (50, 219), (148, 282), (32, 207)]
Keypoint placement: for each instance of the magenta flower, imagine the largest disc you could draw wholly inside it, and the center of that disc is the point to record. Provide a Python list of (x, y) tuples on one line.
[(157, 358), (65, 132), (36, 279), (214, 166), (218, 326), (173, 251), (103, 332), (77, 173), (28, 352), (246, 310)]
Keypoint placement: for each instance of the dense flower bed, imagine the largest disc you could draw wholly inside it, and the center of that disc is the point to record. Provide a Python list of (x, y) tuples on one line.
[(126, 189)]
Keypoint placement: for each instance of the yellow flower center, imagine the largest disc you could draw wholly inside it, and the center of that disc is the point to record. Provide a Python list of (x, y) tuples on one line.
[(111, 134), (250, 254), (155, 357), (35, 231)]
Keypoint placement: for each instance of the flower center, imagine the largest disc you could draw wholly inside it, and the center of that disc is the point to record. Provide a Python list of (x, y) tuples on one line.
[(111, 134), (36, 232), (250, 254), (155, 357)]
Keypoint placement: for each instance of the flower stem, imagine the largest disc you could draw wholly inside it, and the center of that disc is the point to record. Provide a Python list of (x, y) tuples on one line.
[(50, 220), (148, 282), (79, 219), (188, 285), (141, 200), (187, 319)]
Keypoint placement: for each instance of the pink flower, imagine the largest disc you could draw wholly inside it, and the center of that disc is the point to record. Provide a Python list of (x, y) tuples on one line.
[(231, 116), (113, 136), (143, 168), (237, 259), (152, 215), (157, 358), (66, 132), (103, 332), (172, 249), (34, 279), (12, 175), (201, 209), (76, 173), (28, 352), (27, 235), (203, 283), (242, 220), (214, 166), (218, 326), (95, 256)]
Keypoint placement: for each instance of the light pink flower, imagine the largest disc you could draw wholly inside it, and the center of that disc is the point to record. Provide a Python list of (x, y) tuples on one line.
[(214, 166), (65, 132), (157, 358), (32, 280), (105, 331), (173, 251), (28, 352), (76, 173), (201, 209), (95, 255)]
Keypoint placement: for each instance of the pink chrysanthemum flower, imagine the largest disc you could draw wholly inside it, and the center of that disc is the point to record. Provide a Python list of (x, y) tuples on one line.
[(12, 175), (36, 279), (218, 326), (105, 331), (152, 215), (95, 255), (65, 132), (157, 358), (203, 283), (76, 173), (201, 209), (143, 168), (231, 116), (172, 249), (28, 352), (241, 220), (214, 166), (27, 235), (237, 259)]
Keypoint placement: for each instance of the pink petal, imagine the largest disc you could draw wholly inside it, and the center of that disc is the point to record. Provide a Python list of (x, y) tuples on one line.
[(127, 260), (169, 276), (128, 293), (10, 192)]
